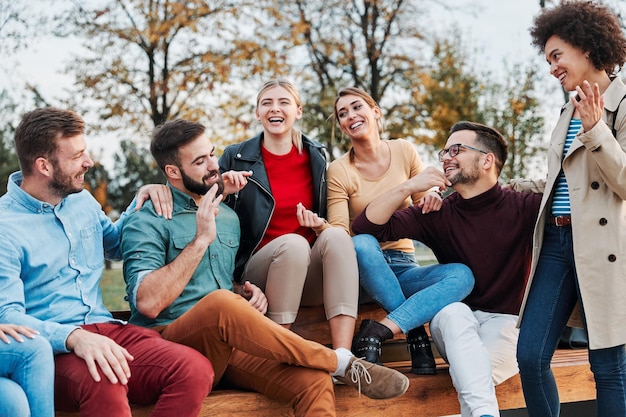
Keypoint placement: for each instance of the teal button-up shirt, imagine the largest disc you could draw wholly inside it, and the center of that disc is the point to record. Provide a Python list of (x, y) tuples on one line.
[(149, 242)]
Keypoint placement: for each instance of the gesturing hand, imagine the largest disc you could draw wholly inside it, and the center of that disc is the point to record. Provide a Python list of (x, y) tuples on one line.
[(101, 352), (205, 217), (589, 104), (235, 181), (307, 218)]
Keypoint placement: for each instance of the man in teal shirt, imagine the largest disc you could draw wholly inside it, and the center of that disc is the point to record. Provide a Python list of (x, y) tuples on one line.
[(179, 282)]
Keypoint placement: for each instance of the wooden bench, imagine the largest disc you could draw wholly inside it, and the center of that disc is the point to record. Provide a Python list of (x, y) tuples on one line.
[(428, 395)]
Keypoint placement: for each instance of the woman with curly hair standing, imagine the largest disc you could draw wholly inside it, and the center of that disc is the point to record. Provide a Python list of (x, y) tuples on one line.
[(580, 238)]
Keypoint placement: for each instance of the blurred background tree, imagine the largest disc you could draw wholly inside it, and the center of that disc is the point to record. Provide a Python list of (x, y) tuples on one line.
[(138, 63), (133, 168)]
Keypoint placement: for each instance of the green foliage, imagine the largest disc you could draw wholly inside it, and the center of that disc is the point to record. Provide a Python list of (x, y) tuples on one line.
[(133, 168), (513, 109), (448, 92)]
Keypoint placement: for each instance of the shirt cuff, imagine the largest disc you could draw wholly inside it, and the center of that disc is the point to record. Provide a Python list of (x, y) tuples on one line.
[(140, 276)]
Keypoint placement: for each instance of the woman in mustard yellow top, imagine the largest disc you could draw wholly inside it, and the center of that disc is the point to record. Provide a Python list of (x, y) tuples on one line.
[(411, 294)]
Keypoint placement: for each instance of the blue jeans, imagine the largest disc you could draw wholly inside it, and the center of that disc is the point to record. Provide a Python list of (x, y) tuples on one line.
[(26, 378), (411, 294), (551, 300)]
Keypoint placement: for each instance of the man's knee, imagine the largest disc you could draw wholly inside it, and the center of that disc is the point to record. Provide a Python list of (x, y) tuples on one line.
[(75, 388), (453, 312), (214, 302), (451, 319), (193, 374)]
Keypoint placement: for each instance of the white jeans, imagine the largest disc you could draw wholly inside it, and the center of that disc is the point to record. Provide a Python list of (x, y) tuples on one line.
[(480, 348)]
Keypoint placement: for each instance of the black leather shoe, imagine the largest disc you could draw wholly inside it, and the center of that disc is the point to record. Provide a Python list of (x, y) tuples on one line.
[(422, 359), (366, 344)]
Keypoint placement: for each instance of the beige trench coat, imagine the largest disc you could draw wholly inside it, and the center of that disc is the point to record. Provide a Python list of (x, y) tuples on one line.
[(595, 168)]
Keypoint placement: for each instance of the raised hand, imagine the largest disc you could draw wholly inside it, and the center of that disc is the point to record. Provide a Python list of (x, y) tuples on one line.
[(589, 104), (235, 180), (430, 202), (205, 217), (307, 218)]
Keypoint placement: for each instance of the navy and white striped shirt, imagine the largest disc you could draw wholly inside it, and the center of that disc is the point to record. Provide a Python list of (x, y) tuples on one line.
[(560, 199)]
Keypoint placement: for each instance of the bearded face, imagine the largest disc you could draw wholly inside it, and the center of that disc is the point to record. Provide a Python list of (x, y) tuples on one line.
[(203, 186)]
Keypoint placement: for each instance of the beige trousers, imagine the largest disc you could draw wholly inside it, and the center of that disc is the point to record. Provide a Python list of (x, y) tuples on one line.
[(291, 274)]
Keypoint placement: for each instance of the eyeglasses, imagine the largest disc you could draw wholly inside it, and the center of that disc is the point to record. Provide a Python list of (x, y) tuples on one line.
[(453, 150)]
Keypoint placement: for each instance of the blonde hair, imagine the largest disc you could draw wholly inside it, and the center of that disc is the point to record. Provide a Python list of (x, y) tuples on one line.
[(296, 135), (369, 100)]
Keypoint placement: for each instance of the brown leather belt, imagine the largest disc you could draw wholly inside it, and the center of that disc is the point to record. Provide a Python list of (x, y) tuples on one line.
[(561, 221)]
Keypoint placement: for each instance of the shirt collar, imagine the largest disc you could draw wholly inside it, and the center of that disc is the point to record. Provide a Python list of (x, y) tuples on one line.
[(181, 199), (25, 199)]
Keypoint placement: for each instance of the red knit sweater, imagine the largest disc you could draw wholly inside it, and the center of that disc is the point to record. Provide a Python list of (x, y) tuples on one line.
[(292, 183)]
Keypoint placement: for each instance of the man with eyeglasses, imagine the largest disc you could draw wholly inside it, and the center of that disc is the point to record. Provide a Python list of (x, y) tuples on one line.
[(489, 229)]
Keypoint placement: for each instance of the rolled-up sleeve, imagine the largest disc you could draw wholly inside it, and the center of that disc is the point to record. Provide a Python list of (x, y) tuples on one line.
[(144, 249)]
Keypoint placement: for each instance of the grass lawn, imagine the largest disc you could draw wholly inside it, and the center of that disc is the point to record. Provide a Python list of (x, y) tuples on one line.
[(114, 288)]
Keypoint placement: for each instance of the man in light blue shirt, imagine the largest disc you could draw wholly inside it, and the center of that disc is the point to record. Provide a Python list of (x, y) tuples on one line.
[(55, 236)]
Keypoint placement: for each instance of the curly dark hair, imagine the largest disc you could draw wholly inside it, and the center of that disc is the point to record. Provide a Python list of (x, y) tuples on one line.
[(586, 25)]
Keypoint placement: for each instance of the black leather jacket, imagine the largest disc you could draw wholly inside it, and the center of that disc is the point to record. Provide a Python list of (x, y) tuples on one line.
[(254, 204)]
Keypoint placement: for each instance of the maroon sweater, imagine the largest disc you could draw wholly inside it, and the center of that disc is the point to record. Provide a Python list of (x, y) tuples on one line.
[(491, 233)]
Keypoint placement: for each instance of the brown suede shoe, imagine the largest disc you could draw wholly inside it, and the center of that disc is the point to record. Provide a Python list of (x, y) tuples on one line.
[(374, 381)]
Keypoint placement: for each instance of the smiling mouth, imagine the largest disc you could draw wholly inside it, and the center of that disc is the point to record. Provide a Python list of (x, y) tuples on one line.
[(356, 125), (276, 120), (210, 175)]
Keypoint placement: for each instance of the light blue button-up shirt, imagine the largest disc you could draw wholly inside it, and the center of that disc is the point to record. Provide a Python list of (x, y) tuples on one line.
[(51, 261)]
